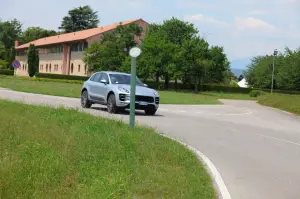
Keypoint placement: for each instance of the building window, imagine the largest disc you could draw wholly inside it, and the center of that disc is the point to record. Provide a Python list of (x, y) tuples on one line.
[(23, 67), (85, 69), (49, 68), (72, 68), (46, 67), (79, 68)]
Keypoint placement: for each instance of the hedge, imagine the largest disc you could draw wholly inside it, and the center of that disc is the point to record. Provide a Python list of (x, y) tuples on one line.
[(204, 87), (6, 72), (56, 76)]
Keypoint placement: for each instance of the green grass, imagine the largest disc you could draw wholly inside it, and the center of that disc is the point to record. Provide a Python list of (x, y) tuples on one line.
[(290, 103), (59, 153), (49, 87)]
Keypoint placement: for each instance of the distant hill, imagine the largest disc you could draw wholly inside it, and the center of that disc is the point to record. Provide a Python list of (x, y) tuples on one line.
[(237, 71), (239, 65)]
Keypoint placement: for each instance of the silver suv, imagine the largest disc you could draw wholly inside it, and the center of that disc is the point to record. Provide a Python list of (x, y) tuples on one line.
[(113, 89)]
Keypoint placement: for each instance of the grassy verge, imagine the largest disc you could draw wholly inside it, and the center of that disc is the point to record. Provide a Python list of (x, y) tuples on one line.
[(69, 88), (67, 154), (290, 103)]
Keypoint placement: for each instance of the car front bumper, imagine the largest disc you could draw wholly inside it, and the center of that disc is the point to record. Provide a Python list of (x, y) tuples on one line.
[(141, 102)]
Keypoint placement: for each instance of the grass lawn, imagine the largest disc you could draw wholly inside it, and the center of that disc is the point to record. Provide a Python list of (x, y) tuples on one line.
[(290, 103), (73, 90), (59, 153)]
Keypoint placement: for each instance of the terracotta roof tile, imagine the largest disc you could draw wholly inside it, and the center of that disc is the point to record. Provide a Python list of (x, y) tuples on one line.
[(74, 36)]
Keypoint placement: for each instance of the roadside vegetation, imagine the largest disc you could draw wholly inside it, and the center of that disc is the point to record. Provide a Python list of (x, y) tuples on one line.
[(290, 103), (67, 154), (67, 89)]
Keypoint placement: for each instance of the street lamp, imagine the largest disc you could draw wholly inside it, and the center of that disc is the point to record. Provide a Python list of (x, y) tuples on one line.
[(134, 53), (274, 55)]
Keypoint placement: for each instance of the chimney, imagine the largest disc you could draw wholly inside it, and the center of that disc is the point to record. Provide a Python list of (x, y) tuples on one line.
[(16, 43)]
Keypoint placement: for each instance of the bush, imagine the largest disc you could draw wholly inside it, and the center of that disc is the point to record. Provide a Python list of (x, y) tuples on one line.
[(204, 87), (62, 77), (256, 93), (6, 72)]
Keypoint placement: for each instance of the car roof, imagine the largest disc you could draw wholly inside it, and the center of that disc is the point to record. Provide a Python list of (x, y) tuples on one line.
[(111, 72)]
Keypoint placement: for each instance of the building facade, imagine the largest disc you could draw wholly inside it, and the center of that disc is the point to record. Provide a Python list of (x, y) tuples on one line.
[(63, 54)]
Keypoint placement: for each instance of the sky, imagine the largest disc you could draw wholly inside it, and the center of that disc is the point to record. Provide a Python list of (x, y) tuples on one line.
[(245, 28)]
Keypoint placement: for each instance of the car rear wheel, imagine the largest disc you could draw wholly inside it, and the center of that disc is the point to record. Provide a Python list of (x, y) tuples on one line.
[(151, 110), (85, 103), (111, 104)]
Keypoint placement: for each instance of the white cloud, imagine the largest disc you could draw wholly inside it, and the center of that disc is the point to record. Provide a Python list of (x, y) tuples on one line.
[(200, 18), (251, 23)]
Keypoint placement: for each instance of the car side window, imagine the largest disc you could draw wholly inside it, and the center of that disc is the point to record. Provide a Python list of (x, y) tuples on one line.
[(96, 77), (105, 77)]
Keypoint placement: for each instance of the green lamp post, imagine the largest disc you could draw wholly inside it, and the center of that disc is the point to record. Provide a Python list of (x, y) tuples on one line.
[(134, 53)]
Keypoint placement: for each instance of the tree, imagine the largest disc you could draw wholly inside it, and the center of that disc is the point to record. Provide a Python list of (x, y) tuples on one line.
[(196, 52), (158, 53), (34, 33), (162, 45), (287, 71), (80, 18), (33, 60), (9, 32), (112, 50), (215, 74)]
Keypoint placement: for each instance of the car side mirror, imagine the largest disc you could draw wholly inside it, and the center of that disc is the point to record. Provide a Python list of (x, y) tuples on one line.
[(145, 85), (103, 81)]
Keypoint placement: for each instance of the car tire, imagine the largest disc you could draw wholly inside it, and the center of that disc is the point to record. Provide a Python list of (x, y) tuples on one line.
[(111, 104), (150, 110), (85, 102)]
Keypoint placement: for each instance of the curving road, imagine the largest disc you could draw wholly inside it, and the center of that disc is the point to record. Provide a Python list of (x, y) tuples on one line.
[(256, 149)]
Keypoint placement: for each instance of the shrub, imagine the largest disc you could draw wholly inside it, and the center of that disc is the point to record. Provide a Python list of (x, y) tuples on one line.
[(204, 87), (6, 72), (256, 93), (63, 77)]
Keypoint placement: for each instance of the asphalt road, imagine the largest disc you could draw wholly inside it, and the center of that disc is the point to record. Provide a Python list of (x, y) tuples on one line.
[(256, 149)]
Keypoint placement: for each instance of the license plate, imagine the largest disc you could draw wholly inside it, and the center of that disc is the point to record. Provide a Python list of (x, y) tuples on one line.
[(143, 103)]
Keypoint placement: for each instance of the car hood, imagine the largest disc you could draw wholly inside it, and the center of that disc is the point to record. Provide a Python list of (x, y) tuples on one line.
[(140, 90)]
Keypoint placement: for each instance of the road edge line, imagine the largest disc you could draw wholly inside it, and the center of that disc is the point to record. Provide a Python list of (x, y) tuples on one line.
[(212, 170)]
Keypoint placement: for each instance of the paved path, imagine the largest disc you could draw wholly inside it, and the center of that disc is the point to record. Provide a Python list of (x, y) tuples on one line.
[(256, 149)]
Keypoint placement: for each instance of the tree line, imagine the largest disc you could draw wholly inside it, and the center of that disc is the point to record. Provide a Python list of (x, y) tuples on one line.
[(287, 71), (172, 51)]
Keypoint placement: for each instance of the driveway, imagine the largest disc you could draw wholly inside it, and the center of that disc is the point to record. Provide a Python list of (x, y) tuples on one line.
[(256, 149)]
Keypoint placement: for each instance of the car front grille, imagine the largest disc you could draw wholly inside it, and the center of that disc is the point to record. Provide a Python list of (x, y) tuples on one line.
[(140, 98)]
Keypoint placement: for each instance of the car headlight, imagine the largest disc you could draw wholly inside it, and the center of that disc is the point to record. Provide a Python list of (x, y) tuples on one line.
[(155, 93), (124, 90)]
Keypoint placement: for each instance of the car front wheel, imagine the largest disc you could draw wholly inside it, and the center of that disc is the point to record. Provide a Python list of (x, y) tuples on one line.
[(111, 104), (150, 110), (85, 103)]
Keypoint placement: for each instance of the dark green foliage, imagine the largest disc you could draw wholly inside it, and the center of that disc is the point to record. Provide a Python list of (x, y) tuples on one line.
[(112, 51), (6, 72), (56, 76), (34, 33), (203, 87), (287, 71), (256, 93), (81, 18), (33, 60)]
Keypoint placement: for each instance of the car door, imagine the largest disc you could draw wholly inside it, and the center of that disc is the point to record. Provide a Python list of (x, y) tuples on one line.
[(94, 87), (103, 88)]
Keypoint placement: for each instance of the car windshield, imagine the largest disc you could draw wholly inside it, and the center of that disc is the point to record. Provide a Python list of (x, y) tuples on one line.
[(123, 79)]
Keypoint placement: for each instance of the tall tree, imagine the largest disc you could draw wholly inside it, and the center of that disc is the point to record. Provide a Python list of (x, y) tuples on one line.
[(80, 18), (9, 32), (112, 50), (34, 33), (196, 52), (33, 60)]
